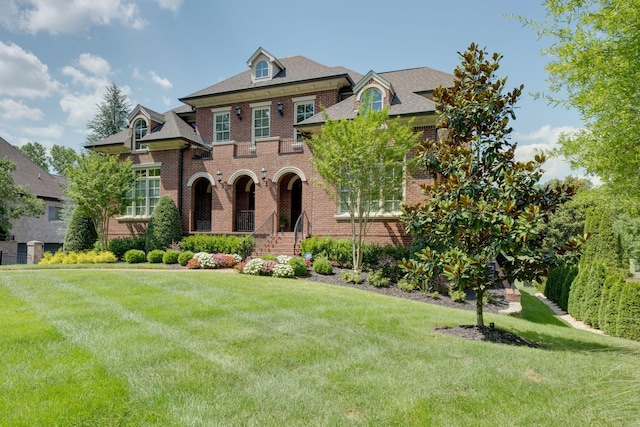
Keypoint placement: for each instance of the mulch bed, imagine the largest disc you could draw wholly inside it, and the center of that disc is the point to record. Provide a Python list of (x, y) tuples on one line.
[(471, 332)]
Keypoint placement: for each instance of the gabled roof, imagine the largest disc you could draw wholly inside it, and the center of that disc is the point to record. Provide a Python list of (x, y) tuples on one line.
[(40, 182), (171, 127), (296, 69), (148, 113), (261, 52), (371, 75), (411, 88)]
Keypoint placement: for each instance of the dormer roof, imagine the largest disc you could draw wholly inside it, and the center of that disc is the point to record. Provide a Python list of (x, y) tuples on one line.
[(148, 113)]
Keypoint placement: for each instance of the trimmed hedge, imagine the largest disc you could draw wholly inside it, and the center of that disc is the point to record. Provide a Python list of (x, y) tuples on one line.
[(170, 256), (120, 245), (155, 256), (135, 256), (184, 257), (217, 244)]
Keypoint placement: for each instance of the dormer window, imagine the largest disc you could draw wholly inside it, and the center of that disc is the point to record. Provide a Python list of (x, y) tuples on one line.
[(262, 70), (372, 98), (139, 131)]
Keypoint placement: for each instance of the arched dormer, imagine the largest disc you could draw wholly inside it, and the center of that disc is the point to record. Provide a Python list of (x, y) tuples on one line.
[(142, 121), (264, 66), (377, 91)]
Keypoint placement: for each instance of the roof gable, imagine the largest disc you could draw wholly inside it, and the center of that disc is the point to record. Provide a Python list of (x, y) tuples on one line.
[(40, 182)]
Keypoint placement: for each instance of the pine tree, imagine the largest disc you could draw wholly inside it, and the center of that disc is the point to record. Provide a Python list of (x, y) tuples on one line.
[(112, 114)]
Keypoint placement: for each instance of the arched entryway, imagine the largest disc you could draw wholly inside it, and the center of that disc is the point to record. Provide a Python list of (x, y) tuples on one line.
[(202, 205), (245, 204), (289, 201)]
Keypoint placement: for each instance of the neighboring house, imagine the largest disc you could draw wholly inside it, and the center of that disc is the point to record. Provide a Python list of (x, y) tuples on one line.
[(48, 228), (234, 157)]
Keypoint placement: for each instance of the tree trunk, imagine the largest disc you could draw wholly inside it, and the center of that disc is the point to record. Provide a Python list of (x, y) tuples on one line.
[(479, 315)]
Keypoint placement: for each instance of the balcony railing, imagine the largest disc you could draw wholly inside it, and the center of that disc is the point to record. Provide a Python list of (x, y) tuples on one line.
[(245, 220), (290, 146), (244, 149)]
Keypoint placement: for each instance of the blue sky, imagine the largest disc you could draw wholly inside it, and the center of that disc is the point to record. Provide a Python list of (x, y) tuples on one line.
[(56, 56)]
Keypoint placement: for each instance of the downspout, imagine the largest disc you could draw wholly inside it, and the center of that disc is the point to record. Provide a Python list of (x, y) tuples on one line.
[(180, 178)]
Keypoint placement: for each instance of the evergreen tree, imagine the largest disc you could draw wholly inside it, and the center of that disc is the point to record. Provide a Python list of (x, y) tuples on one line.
[(112, 114), (81, 233), (165, 225)]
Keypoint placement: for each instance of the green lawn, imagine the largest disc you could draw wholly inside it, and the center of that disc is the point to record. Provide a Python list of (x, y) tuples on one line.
[(198, 348)]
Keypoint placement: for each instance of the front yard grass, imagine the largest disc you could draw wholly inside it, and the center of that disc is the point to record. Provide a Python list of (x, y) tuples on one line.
[(192, 348)]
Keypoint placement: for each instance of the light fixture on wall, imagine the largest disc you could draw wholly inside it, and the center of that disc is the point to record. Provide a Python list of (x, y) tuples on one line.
[(239, 112), (219, 175), (264, 177), (280, 108)]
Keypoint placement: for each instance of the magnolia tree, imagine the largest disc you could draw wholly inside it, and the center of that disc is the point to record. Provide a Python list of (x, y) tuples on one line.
[(361, 161), (483, 204)]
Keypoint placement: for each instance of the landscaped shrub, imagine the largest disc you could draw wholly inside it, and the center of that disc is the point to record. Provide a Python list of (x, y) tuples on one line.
[(457, 295), (184, 257), (217, 244), (165, 225), (406, 285), (341, 252), (628, 322), (155, 256), (283, 271), (268, 257), (351, 276), (81, 233), (87, 257), (135, 256), (193, 263), (120, 245), (322, 265), (610, 300), (170, 256), (104, 257), (378, 279), (299, 266)]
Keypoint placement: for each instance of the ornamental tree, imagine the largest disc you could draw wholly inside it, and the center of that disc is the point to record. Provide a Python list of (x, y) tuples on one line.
[(361, 161), (594, 68), (99, 185), (483, 204)]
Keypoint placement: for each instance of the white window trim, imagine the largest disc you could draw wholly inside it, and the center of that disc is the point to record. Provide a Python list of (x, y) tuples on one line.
[(259, 106), (300, 101), (143, 148), (220, 111), (254, 74), (133, 218), (383, 92)]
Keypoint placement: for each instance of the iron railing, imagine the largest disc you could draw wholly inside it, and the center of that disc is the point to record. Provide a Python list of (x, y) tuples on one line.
[(290, 146), (245, 220), (11, 258), (259, 236), (302, 223), (244, 149)]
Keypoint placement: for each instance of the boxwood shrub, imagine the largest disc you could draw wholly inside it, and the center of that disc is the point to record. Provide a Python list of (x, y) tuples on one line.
[(155, 256), (170, 256), (184, 257), (135, 256)]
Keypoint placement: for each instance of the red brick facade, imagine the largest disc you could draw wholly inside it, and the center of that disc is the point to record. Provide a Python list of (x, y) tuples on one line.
[(209, 206)]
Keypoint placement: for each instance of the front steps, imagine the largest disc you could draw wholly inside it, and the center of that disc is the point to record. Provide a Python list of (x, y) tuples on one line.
[(280, 243)]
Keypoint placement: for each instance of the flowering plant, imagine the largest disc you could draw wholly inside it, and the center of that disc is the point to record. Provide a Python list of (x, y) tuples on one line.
[(205, 259), (283, 271)]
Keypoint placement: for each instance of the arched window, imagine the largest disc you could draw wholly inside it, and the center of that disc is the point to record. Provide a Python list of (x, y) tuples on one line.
[(139, 131), (262, 70), (373, 99)]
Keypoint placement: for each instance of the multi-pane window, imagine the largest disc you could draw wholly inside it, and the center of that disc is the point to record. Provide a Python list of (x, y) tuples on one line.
[(140, 130), (373, 99), (391, 201), (261, 123), (221, 122), (145, 193), (304, 110), (262, 70)]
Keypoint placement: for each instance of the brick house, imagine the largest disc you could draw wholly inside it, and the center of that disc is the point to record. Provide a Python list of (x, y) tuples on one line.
[(234, 158), (48, 228)]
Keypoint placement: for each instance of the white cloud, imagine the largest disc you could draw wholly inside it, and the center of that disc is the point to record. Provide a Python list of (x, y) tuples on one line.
[(53, 131), (173, 5), (17, 111), (67, 16), (162, 82), (94, 64), (545, 139), (166, 101), (23, 75)]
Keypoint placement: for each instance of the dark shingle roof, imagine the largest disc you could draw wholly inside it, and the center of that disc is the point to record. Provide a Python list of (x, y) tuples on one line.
[(297, 69), (174, 128), (409, 86), (40, 182)]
